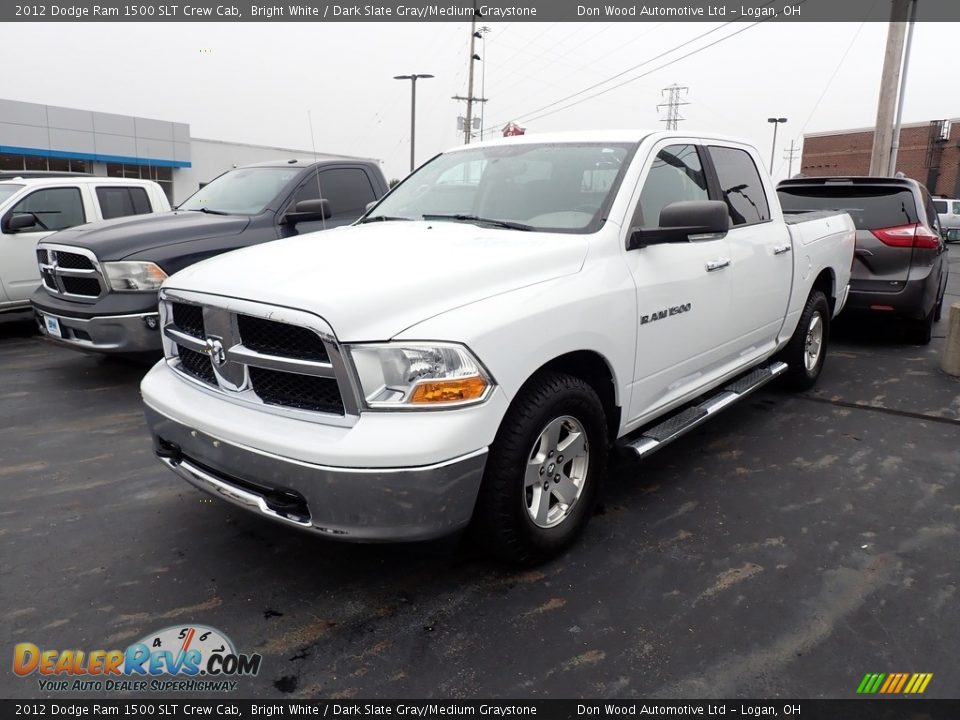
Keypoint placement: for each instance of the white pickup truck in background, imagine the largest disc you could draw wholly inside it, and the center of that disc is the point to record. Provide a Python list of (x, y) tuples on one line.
[(469, 350), (36, 205)]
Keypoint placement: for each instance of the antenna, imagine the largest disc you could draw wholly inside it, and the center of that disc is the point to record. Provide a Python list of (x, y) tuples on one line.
[(313, 144)]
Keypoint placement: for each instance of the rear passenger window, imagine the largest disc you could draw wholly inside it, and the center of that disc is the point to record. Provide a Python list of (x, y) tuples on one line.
[(741, 186), (940, 205), (956, 208), (122, 201), (55, 208), (676, 174)]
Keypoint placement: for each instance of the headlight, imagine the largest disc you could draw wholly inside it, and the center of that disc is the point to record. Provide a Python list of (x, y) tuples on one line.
[(419, 375), (132, 276)]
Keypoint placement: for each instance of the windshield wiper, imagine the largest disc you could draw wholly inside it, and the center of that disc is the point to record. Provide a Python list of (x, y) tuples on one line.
[(206, 210), (382, 218), (485, 221)]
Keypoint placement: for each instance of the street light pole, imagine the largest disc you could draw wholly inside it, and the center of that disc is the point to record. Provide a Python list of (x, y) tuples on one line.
[(413, 111), (773, 147)]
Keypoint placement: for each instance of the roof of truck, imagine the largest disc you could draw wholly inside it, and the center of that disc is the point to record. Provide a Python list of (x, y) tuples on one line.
[(623, 135)]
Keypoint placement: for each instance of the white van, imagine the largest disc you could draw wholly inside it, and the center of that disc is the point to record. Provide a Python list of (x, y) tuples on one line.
[(31, 208), (948, 210)]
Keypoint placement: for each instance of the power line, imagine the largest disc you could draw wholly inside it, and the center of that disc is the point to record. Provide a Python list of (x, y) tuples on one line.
[(650, 72), (833, 76), (639, 65)]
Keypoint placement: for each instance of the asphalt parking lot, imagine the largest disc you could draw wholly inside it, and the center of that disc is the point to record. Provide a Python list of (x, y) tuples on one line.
[(784, 551)]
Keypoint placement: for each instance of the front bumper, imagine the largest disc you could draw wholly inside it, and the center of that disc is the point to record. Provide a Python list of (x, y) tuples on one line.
[(360, 504), (108, 334)]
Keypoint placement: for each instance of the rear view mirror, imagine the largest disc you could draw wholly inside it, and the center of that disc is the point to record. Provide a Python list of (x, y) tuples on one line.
[(952, 235), (684, 221), (20, 221), (308, 211)]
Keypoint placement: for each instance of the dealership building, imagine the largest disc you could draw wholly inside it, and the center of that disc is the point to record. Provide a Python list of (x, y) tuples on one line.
[(929, 152), (49, 137)]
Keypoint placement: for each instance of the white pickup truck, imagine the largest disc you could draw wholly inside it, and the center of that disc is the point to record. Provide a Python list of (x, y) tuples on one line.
[(469, 350), (35, 205)]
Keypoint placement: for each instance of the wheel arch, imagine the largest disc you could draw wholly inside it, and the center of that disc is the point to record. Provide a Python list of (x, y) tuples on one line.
[(826, 282), (595, 370)]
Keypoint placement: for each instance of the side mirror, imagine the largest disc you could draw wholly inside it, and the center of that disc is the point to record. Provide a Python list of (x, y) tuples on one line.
[(19, 221), (685, 221), (308, 211), (369, 206), (952, 235)]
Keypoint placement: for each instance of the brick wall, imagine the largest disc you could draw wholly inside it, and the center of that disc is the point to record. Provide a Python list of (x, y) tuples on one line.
[(848, 153)]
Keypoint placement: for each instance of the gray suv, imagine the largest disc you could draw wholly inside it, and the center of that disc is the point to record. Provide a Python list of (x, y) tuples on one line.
[(899, 265)]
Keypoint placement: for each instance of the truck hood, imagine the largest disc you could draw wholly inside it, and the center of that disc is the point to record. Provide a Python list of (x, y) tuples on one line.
[(122, 237), (370, 282)]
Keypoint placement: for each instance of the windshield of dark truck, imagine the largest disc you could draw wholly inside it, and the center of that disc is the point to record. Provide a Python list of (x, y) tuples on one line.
[(245, 191), (557, 187)]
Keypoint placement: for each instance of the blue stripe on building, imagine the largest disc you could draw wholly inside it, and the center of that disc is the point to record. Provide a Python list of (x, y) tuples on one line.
[(124, 159)]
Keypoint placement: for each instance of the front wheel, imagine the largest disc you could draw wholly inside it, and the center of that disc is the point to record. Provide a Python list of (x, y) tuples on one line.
[(543, 471), (807, 350)]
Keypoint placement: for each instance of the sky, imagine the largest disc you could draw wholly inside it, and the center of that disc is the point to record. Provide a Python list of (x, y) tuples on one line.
[(263, 83)]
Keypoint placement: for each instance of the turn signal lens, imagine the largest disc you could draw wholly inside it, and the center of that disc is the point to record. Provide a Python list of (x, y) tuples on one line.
[(444, 391)]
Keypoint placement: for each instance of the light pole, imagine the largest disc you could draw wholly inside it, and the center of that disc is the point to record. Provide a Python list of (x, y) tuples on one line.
[(413, 110), (483, 77), (773, 147)]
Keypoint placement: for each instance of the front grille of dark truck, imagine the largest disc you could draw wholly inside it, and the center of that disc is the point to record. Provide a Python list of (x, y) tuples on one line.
[(71, 273), (265, 361)]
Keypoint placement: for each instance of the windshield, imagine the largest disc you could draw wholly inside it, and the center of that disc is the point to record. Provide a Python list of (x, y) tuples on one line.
[(246, 191), (7, 190), (565, 187)]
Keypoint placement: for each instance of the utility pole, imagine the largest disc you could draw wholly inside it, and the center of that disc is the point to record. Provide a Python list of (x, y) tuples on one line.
[(773, 146), (895, 142), (413, 111), (468, 125), (672, 105), (483, 78), (889, 83), (790, 156)]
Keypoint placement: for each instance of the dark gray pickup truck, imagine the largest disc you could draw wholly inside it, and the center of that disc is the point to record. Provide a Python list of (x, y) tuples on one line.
[(99, 281)]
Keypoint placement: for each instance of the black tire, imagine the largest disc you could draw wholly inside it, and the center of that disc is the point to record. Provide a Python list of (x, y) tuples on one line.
[(798, 376), (938, 310), (921, 331), (502, 522)]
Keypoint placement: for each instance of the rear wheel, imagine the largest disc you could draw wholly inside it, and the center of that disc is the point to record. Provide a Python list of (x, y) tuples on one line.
[(807, 350), (544, 468)]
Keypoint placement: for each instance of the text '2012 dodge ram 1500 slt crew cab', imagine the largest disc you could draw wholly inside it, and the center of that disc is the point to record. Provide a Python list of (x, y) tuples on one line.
[(469, 350), (100, 281)]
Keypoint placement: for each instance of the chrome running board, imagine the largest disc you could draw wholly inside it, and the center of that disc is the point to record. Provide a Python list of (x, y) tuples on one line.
[(653, 438)]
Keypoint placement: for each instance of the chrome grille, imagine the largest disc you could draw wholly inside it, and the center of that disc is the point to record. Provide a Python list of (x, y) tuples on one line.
[(70, 272), (306, 392), (188, 318), (196, 364), (276, 338), (281, 360)]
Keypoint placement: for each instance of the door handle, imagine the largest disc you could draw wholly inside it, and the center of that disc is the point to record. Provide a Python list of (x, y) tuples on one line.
[(718, 264), (781, 249)]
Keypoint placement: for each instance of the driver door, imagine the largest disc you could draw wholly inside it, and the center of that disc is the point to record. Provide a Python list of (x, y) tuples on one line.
[(683, 289), (54, 209)]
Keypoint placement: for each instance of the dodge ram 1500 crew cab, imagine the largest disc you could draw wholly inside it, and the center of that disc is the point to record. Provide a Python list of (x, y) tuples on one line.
[(100, 281), (469, 349)]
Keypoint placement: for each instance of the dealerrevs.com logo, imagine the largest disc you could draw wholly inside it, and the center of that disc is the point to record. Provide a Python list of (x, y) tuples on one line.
[(191, 658)]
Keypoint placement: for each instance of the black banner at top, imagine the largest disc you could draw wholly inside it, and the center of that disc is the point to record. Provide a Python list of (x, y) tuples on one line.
[(784, 709), (461, 10)]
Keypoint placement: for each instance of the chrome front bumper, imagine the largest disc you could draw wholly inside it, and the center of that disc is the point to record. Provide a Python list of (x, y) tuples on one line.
[(108, 333), (360, 504)]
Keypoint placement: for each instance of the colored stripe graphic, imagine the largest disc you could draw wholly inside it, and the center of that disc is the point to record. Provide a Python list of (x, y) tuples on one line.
[(894, 683)]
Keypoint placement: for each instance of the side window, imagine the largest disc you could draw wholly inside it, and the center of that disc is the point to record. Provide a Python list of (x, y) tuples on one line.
[(54, 208), (676, 174), (348, 190), (956, 208), (741, 186), (122, 201), (940, 205)]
